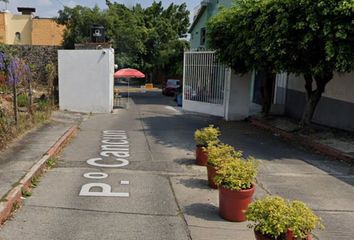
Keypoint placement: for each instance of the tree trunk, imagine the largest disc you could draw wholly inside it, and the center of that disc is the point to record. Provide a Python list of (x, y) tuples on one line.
[(267, 91), (30, 97), (14, 92), (313, 96)]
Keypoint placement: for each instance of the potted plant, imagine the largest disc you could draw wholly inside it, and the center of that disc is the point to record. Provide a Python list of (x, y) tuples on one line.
[(217, 154), (278, 219), (236, 180), (204, 137)]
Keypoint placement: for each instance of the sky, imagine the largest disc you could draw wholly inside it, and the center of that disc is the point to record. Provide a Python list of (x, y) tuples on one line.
[(50, 8)]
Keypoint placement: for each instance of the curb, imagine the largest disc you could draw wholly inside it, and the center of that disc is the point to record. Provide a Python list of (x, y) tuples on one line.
[(13, 198), (306, 142)]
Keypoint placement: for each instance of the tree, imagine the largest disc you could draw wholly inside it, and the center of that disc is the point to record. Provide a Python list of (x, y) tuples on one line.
[(305, 37), (143, 38), (234, 34)]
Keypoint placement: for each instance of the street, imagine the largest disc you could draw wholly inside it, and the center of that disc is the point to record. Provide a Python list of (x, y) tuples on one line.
[(131, 175)]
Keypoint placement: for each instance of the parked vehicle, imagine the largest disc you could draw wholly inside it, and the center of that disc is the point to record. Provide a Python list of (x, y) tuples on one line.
[(171, 87)]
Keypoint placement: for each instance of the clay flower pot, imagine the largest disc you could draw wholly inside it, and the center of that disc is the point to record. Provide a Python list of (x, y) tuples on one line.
[(211, 175), (201, 156), (289, 236), (233, 204)]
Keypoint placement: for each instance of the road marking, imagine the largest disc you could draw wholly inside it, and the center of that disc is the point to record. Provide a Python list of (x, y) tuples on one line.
[(114, 144), (106, 191), (96, 175)]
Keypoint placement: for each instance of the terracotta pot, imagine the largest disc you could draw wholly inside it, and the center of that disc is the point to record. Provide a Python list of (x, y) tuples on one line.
[(260, 236), (289, 236), (201, 156), (232, 204), (211, 175)]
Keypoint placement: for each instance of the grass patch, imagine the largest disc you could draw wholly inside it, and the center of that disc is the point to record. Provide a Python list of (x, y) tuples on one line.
[(51, 163), (34, 182), (25, 193)]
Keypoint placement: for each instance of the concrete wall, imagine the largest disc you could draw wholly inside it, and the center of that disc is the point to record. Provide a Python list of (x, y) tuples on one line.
[(21, 24), (238, 94), (2, 28), (335, 109), (86, 80), (47, 32)]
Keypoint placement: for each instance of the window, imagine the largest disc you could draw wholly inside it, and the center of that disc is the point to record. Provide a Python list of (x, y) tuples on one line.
[(18, 36), (202, 36)]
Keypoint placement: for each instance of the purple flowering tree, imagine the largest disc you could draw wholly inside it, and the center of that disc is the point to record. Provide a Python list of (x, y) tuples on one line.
[(13, 79)]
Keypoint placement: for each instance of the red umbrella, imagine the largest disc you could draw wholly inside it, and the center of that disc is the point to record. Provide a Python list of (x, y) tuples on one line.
[(128, 73)]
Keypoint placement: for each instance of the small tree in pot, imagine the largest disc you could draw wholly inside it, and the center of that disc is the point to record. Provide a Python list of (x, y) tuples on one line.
[(203, 138), (217, 154), (236, 180)]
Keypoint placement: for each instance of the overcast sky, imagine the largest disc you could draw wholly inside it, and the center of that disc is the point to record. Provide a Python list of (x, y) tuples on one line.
[(49, 8)]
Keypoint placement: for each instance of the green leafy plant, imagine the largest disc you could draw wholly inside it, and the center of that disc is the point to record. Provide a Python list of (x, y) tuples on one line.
[(207, 135), (273, 216), (22, 100), (236, 173), (218, 153), (302, 220)]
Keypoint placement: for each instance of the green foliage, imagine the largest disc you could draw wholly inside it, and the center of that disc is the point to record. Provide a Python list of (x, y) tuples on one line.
[(51, 163), (22, 100), (298, 36), (218, 153), (236, 173), (143, 38), (302, 220), (273, 216), (207, 135), (43, 105)]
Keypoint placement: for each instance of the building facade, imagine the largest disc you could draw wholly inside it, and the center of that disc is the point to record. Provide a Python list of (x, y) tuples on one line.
[(23, 29), (203, 13)]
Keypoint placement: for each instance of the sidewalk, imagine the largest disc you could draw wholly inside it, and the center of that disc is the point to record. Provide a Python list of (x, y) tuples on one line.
[(25, 158), (325, 184), (328, 141)]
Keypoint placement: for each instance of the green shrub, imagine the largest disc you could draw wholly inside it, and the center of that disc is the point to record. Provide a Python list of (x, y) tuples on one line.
[(43, 105), (207, 135), (22, 100), (217, 153), (273, 216), (236, 173), (302, 220)]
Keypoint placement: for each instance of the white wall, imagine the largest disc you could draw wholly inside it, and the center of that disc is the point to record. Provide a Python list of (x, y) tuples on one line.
[(86, 80), (238, 97)]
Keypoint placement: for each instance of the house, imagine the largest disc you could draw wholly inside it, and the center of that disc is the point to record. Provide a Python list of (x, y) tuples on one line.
[(209, 86), (24, 29), (203, 13)]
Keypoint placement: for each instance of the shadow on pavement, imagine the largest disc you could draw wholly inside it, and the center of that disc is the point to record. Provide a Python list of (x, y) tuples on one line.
[(204, 211)]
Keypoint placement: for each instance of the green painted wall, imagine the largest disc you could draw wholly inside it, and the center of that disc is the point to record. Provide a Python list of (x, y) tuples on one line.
[(211, 10)]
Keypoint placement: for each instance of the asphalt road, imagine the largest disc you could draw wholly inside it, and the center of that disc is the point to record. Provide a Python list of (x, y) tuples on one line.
[(131, 175), (157, 141)]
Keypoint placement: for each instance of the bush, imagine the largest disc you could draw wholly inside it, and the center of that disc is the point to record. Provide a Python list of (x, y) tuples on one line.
[(273, 216), (236, 173), (22, 100), (207, 135), (218, 153), (43, 105)]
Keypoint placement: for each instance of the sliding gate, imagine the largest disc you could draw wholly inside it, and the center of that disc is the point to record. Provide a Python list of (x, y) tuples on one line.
[(205, 81)]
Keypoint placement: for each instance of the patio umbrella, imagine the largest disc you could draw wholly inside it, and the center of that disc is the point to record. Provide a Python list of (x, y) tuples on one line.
[(128, 73)]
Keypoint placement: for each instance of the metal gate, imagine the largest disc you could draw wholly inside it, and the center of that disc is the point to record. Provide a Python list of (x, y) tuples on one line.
[(205, 80)]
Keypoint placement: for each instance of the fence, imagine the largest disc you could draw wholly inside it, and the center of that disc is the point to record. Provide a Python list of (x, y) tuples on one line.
[(204, 82)]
